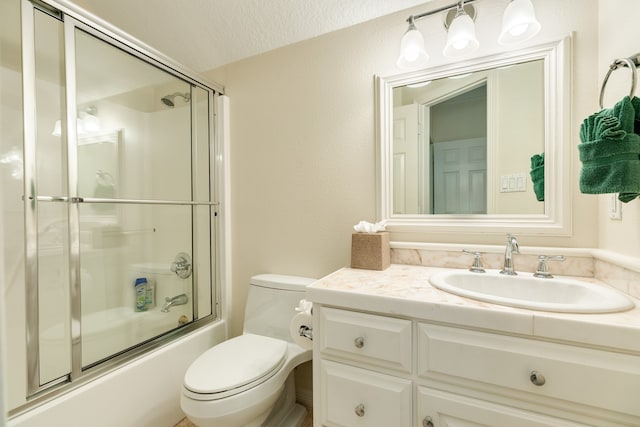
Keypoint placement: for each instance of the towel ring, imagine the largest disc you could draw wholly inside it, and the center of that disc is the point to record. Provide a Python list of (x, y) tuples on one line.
[(632, 63)]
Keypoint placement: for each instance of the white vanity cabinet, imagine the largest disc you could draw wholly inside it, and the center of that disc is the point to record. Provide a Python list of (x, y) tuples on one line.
[(360, 397), (379, 370), (363, 369), (444, 409), (574, 383)]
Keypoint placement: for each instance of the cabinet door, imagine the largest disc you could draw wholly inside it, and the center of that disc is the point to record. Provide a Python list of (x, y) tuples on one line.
[(445, 409), (357, 397)]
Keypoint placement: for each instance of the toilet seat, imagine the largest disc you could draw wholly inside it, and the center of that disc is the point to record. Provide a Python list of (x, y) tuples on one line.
[(234, 366)]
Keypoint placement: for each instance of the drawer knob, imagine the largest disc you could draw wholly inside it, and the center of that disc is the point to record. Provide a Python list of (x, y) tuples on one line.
[(359, 410), (427, 422), (359, 342), (537, 378)]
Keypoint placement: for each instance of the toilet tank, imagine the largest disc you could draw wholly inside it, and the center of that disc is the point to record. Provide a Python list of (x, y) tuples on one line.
[(271, 304)]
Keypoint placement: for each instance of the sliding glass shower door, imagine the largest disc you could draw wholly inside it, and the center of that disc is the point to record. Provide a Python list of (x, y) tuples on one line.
[(119, 199)]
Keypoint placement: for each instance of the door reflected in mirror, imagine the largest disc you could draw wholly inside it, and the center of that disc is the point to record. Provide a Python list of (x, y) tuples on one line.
[(463, 144)]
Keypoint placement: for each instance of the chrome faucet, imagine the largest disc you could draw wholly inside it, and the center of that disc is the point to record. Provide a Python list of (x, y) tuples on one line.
[(177, 300), (511, 248)]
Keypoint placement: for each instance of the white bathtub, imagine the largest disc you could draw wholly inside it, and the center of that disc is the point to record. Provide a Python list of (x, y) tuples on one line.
[(143, 393), (105, 333)]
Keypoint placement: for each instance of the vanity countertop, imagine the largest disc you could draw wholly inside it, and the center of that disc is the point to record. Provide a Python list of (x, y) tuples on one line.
[(405, 291)]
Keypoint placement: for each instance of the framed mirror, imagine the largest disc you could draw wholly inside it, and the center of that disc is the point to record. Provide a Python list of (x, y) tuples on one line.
[(483, 143)]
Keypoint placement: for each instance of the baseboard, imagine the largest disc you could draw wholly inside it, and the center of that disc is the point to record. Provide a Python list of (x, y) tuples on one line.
[(305, 397)]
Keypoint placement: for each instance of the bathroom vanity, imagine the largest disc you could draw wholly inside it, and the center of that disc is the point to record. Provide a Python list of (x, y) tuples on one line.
[(392, 350)]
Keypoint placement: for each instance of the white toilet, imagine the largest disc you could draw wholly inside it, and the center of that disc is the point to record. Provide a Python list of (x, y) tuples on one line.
[(248, 380)]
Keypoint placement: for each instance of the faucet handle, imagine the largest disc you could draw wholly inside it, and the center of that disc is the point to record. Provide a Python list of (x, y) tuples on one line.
[(512, 243), (182, 265), (543, 269), (477, 266)]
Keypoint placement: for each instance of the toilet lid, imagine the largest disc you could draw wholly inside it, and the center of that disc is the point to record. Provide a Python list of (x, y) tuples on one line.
[(235, 363)]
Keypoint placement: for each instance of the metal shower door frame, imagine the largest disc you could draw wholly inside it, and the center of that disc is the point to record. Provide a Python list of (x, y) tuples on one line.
[(72, 199)]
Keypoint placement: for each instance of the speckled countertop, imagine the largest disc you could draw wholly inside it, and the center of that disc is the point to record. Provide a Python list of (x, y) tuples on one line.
[(405, 291)]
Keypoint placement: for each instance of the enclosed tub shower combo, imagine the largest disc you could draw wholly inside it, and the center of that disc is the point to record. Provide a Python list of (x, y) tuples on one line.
[(114, 205)]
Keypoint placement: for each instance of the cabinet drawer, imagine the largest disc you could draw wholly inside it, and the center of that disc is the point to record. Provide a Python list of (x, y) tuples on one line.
[(358, 397), (597, 378), (375, 340), (450, 410)]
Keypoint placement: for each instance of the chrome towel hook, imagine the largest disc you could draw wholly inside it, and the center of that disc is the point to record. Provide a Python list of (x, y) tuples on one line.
[(632, 63)]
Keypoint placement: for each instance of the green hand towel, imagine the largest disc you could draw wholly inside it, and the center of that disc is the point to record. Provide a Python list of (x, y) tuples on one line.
[(608, 127), (610, 151), (537, 175), (636, 122)]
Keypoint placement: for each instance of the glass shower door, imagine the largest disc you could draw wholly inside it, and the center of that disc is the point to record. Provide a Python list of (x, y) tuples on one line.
[(119, 204), (134, 188), (48, 261)]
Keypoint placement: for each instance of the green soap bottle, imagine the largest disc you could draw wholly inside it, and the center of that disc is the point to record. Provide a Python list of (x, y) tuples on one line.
[(150, 294)]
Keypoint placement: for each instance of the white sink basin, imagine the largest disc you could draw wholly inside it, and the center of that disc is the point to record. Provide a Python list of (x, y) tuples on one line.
[(525, 291)]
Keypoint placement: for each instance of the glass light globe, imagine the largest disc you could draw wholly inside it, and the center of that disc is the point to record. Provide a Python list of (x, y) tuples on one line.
[(412, 51), (461, 38), (519, 23)]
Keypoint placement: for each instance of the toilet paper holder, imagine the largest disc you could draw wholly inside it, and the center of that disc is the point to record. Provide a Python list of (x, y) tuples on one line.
[(301, 324), (306, 332)]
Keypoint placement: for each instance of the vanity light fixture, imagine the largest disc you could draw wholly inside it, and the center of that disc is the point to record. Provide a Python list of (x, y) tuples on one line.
[(461, 35), (519, 23), (412, 51), (88, 122), (57, 128), (419, 84), (459, 76)]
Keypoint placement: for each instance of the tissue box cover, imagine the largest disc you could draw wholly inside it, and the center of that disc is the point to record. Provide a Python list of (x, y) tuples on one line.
[(370, 251)]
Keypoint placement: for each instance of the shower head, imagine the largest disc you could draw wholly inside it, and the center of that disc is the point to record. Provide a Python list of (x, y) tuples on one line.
[(168, 100)]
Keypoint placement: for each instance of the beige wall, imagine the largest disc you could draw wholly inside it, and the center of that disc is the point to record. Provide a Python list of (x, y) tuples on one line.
[(619, 35), (302, 156), (303, 143)]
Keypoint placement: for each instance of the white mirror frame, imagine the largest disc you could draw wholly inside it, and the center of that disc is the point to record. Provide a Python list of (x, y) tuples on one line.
[(556, 219)]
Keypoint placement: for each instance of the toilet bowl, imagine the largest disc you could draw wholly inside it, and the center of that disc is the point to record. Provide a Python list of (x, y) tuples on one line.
[(248, 380)]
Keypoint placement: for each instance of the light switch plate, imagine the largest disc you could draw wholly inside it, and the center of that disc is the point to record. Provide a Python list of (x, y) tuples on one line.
[(512, 183)]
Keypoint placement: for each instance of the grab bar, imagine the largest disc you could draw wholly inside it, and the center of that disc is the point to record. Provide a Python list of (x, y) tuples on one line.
[(632, 63)]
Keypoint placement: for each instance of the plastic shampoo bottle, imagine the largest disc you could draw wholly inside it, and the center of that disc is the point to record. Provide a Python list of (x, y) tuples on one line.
[(140, 289)]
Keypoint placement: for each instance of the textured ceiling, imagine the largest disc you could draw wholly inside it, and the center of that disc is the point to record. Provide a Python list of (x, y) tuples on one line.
[(205, 34)]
